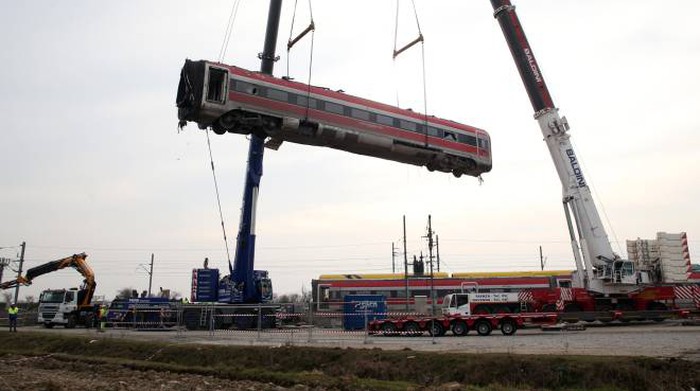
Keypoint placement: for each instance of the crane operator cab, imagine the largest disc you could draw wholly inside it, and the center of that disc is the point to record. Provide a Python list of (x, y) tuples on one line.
[(621, 271)]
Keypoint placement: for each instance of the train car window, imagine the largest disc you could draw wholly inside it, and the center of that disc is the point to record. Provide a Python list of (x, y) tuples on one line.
[(245, 87), (323, 296), (466, 139), (564, 283), (307, 102), (333, 108), (450, 136), (216, 86), (384, 120), (277, 94), (408, 125), (360, 114), (435, 132)]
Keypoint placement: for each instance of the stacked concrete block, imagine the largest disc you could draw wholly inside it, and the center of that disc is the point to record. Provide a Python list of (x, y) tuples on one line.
[(668, 252)]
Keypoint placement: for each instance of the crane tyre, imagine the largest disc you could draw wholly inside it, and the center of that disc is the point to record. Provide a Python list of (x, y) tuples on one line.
[(460, 328), (389, 328), (436, 329), (72, 321), (412, 329), (483, 327), (508, 327)]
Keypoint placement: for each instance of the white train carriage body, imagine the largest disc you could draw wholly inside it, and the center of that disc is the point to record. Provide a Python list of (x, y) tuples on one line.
[(231, 99)]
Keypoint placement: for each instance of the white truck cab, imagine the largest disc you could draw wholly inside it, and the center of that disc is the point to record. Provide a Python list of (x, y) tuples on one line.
[(467, 304), (58, 307)]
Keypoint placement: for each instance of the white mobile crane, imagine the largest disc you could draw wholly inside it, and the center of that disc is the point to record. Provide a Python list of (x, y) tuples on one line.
[(599, 269)]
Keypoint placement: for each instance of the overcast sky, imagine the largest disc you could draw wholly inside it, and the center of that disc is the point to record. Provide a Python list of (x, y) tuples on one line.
[(92, 160)]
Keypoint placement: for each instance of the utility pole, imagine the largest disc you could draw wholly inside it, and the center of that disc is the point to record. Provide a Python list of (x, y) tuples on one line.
[(541, 259), (437, 252), (150, 277), (405, 261), (19, 271), (150, 274), (393, 257), (430, 259)]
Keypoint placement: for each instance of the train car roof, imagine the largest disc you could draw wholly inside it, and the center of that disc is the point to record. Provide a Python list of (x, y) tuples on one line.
[(397, 276), (529, 273), (378, 276)]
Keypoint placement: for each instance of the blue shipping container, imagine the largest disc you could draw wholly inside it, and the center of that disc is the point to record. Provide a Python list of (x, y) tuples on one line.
[(360, 308)]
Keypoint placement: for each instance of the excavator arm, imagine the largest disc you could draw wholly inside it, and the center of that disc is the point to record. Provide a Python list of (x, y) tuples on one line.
[(76, 261)]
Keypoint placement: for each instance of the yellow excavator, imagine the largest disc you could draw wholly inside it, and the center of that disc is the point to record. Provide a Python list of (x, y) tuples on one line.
[(67, 307)]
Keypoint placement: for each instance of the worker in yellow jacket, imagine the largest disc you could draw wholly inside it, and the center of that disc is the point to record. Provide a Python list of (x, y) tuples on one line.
[(103, 318), (12, 312)]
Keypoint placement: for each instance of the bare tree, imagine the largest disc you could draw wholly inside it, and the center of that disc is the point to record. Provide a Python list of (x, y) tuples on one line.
[(7, 296), (30, 299)]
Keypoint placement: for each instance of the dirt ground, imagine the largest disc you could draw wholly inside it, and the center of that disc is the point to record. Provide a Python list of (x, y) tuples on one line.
[(46, 373)]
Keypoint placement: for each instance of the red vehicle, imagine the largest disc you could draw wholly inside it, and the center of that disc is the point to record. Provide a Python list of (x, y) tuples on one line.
[(329, 290), (460, 314)]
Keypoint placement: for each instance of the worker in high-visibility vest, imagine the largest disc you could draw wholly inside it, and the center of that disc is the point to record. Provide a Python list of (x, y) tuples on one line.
[(12, 312), (102, 313)]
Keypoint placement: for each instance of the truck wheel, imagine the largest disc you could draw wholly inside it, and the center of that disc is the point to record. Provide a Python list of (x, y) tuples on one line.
[(435, 329), (389, 328), (483, 327), (412, 329), (71, 322), (460, 328), (508, 327)]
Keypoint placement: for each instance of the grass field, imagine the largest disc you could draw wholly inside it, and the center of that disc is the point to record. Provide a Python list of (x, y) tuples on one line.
[(328, 368)]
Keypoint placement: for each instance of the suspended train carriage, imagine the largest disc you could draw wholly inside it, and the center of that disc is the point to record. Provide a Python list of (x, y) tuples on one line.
[(226, 98)]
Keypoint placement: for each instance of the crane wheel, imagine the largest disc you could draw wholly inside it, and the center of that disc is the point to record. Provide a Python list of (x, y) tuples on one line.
[(460, 328), (508, 327), (436, 329), (483, 327), (412, 329)]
